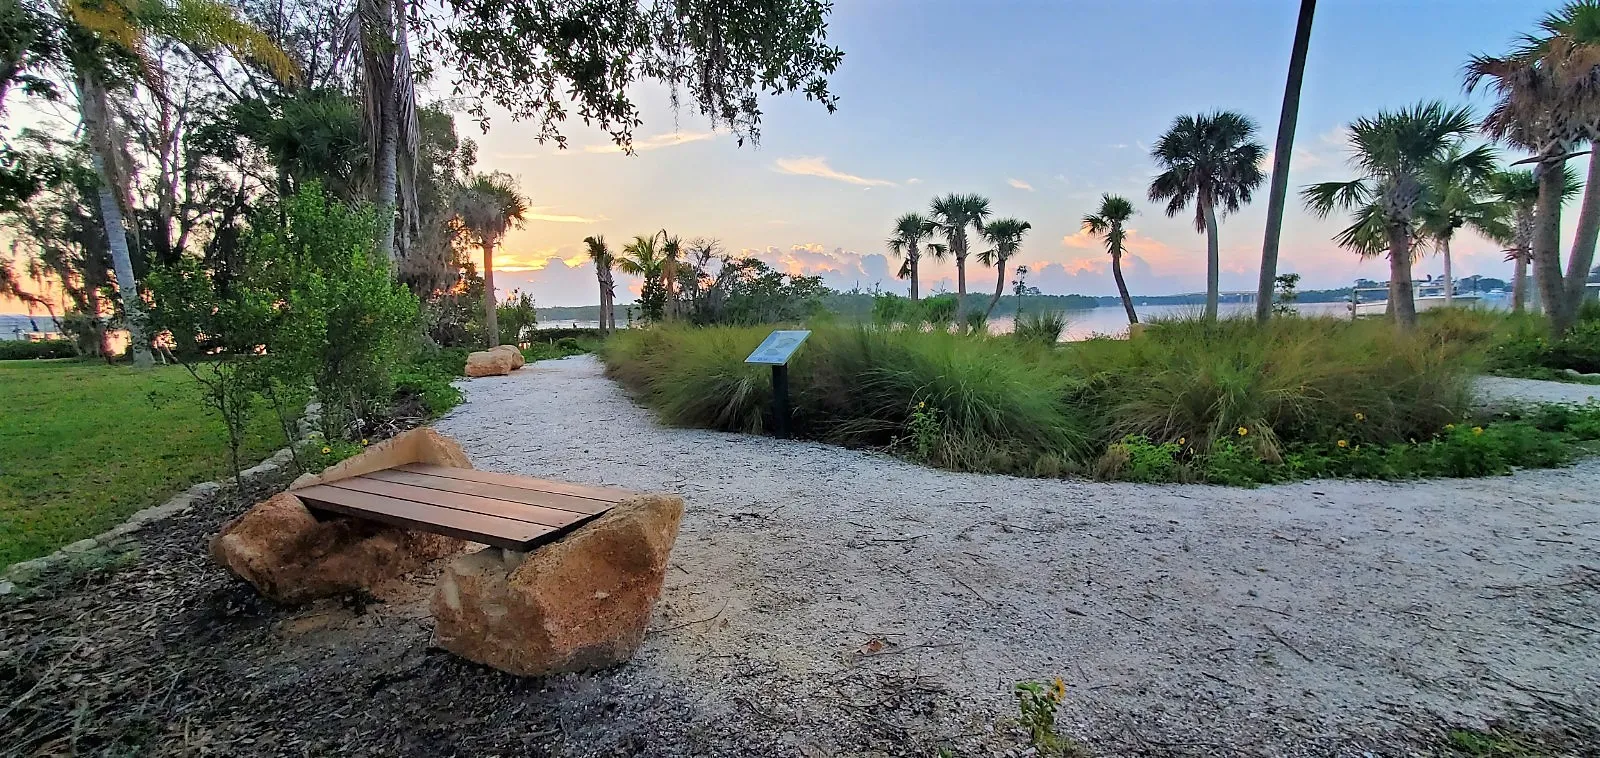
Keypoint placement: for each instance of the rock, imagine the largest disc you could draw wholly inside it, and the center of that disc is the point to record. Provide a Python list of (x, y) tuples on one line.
[(280, 547), (290, 556), (579, 603), (497, 362), (517, 361)]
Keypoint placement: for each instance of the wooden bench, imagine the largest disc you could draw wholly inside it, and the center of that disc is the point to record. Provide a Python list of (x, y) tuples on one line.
[(502, 510)]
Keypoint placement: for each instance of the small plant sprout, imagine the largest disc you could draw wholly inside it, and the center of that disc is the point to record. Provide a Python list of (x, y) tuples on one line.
[(1037, 703)]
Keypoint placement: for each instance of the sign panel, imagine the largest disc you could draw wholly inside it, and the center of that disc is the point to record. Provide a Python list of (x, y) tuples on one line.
[(776, 349)]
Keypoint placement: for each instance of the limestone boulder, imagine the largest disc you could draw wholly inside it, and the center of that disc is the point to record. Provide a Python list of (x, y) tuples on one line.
[(579, 603), (494, 362), (291, 555), (517, 361), (282, 549)]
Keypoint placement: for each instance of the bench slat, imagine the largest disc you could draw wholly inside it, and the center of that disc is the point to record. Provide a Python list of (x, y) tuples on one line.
[(606, 494), (500, 532), (582, 505), (533, 514)]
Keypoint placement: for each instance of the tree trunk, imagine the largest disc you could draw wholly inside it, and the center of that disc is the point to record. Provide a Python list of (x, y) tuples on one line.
[(1122, 286), (96, 114), (388, 172), (1401, 305), (914, 262), (1583, 242), (491, 318), (1547, 246), (1213, 260), (1281, 152), (1519, 280), (1449, 282), (961, 281), (999, 287)]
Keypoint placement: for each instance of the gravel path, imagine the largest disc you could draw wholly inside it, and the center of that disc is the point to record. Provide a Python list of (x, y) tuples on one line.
[(1316, 618), (1504, 389)]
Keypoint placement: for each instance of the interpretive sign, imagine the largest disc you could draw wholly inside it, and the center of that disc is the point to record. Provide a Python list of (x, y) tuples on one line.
[(777, 348)]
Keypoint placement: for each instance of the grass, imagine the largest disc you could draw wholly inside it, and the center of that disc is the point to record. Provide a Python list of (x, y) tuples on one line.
[(87, 444), (1228, 402)]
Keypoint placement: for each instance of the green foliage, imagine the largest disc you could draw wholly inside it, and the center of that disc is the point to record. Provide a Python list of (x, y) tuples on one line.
[(1284, 294), (1037, 703), (344, 321), (423, 384), (20, 350), (1231, 402), (1042, 327), (544, 350), (996, 409), (746, 291), (517, 317), (1496, 743), (1520, 345)]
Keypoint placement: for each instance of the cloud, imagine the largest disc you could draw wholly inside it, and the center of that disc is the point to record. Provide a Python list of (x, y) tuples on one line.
[(537, 214), (1019, 184), (839, 268), (818, 166), (655, 142), (913, 180)]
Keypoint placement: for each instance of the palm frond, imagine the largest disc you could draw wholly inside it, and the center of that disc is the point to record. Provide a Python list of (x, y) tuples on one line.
[(1325, 197)]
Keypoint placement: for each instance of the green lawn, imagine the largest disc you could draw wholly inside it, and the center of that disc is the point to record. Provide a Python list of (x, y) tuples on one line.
[(83, 445)]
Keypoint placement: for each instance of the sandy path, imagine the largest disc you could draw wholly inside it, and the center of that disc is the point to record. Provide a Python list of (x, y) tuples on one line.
[(1301, 618), (1504, 389)]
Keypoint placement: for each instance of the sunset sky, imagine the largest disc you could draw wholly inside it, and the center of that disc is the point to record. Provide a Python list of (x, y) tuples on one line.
[(1041, 106)]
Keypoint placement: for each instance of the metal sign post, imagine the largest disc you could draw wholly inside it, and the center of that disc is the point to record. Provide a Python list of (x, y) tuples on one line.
[(775, 351)]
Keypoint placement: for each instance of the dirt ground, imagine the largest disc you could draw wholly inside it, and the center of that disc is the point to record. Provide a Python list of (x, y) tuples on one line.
[(828, 602)]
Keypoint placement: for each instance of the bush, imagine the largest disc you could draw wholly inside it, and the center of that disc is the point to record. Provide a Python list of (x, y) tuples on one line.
[(553, 334), (1230, 402), (423, 384), (1045, 327), (18, 350)]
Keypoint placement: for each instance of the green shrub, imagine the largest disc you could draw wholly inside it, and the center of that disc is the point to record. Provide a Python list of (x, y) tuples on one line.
[(997, 408), (18, 350), (1231, 402), (1045, 327), (423, 384)]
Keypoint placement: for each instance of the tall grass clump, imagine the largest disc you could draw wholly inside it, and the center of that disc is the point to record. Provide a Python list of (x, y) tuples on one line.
[(957, 401), (1229, 402), (1294, 380), (1043, 327)]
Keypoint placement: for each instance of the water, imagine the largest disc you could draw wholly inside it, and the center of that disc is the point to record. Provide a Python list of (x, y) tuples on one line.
[(1112, 321)]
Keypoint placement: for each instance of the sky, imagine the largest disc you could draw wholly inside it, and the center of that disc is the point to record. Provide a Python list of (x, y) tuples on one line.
[(1039, 105)]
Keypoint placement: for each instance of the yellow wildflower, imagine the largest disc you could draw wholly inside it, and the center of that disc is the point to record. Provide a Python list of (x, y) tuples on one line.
[(1058, 692), (1361, 416), (1344, 443), (1448, 427), (1182, 441), (1477, 430), (363, 443), (326, 450), (1243, 431)]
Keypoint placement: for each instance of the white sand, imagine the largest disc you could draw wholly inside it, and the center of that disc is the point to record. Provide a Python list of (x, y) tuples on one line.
[(1294, 619)]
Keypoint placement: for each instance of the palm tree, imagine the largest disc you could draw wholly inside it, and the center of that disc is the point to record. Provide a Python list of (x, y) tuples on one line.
[(1459, 196), (1005, 234), (1212, 160), (952, 214), (98, 36), (906, 244), (1573, 36), (488, 207), (389, 101), (603, 263), (1277, 195), (1518, 191), (671, 251), (642, 258), (1547, 103), (1395, 150), (1107, 224)]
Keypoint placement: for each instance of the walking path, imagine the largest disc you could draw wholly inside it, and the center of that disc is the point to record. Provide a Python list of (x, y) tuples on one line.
[(837, 597)]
